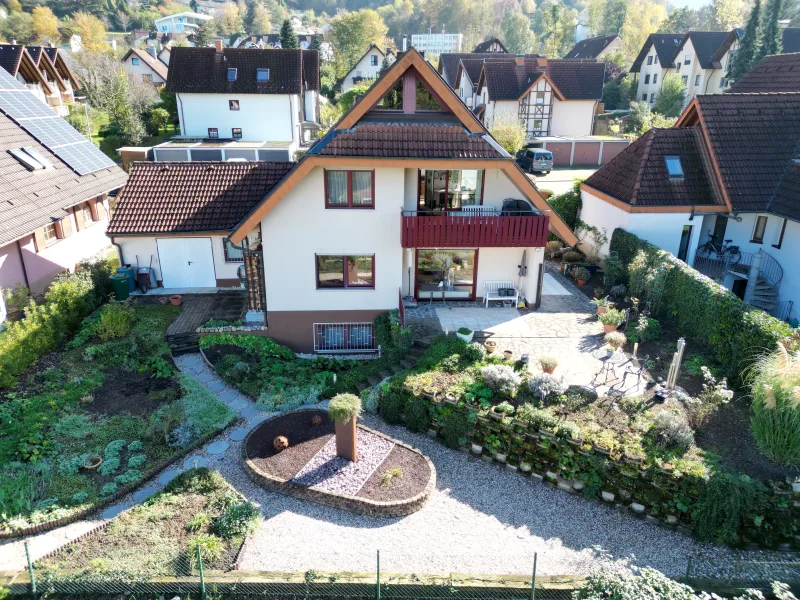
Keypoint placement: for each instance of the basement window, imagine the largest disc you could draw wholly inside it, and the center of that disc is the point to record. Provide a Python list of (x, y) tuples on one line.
[(674, 166)]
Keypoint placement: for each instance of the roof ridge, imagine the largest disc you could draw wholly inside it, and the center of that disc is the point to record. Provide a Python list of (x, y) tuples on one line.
[(637, 184)]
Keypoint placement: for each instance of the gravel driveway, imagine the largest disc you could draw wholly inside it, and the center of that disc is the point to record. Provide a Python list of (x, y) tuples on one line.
[(481, 519)]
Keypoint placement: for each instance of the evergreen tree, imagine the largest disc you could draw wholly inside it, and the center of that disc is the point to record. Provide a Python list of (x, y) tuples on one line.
[(772, 42), (204, 35), (249, 15), (288, 36), (316, 44), (744, 59)]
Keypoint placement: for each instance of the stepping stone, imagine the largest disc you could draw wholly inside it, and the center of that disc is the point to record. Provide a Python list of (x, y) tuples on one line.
[(237, 435), (144, 493), (113, 511), (239, 404), (205, 377), (196, 370), (214, 386), (258, 420), (218, 448), (229, 395), (168, 476), (250, 412), (191, 361), (201, 461)]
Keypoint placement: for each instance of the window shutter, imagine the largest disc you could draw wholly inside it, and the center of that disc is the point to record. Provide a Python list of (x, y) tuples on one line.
[(38, 239), (78, 212), (66, 227)]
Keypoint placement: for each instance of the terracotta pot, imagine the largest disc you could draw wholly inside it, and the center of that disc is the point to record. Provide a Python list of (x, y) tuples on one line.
[(175, 300), (548, 370), (346, 440), (490, 346), (163, 300), (609, 328), (92, 463), (581, 282), (507, 354), (601, 310)]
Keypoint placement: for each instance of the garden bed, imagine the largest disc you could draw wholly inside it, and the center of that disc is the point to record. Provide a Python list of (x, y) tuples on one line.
[(389, 479)]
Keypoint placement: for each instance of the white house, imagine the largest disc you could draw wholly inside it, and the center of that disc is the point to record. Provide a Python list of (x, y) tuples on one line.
[(695, 189), (247, 95), (183, 22), (339, 238), (368, 67), (34, 69), (141, 65), (437, 43)]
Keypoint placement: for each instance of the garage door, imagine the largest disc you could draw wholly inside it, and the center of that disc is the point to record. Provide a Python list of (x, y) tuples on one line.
[(186, 262)]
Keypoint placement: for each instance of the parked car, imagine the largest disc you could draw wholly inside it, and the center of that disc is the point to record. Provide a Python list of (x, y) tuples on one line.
[(535, 160)]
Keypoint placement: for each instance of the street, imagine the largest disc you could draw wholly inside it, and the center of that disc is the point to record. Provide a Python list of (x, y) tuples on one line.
[(561, 180)]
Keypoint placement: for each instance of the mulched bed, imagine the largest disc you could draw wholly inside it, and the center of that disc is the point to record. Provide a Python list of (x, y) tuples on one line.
[(414, 478), (130, 392), (214, 354)]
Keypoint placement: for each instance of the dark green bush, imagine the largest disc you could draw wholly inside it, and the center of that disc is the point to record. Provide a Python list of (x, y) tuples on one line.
[(456, 429), (568, 205), (391, 407), (725, 501), (417, 417), (442, 348), (256, 344)]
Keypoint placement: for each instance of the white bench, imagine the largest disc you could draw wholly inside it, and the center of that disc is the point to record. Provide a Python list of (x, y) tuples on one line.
[(490, 291)]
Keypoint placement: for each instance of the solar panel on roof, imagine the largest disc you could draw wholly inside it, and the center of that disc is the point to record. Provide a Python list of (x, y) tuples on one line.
[(50, 130)]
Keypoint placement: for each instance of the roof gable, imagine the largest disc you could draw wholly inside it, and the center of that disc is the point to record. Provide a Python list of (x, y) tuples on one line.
[(776, 73), (158, 67), (706, 44), (448, 62), (484, 46), (666, 45), (591, 47)]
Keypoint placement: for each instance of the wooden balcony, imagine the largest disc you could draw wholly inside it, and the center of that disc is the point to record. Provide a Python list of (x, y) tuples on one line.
[(476, 230)]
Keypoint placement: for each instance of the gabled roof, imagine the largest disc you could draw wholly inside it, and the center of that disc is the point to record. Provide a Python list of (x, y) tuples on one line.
[(507, 81), (474, 67), (34, 199), (448, 63), (571, 79), (733, 36), (706, 44), (158, 67), (190, 197), (776, 73), (790, 40), (484, 46), (369, 49), (666, 45), (591, 47), (16, 60), (577, 80), (204, 70), (638, 176), (57, 58)]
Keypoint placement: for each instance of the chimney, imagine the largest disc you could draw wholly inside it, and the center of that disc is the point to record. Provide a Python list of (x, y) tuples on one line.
[(405, 43), (219, 46), (520, 60), (541, 62)]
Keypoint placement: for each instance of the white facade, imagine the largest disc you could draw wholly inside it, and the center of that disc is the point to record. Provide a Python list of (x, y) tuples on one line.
[(437, 43), (368, 68), (141, 70), (573, 117), (185, 22)]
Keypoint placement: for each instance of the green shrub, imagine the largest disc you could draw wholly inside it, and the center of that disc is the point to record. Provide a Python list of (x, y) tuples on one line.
[(611, 317), (255, 344), (344, 407), (197, 522), (202, 408), (136, 461), (725, 501), (540, 417), (80, 497), (75, 426), (568, 204), (108, 489), (135, 446), (604, 584), (581, 274), (646, 330), (108, 466), (130, 476), (209, 546), (672, 432), (572, 256), (442, 347), (237, 520), (115, 321), (391, 407), (457, 428), (196, 481), (16, 297), (417, 417)]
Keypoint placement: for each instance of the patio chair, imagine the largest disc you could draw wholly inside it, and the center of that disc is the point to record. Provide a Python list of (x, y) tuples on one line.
[(632, 369)]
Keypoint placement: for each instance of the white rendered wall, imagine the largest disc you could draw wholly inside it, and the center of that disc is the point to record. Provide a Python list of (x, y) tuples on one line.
[(262, 117), (503, 264), (142, 69), (602, 215), (665, 229), (572, 117), (363, 68)]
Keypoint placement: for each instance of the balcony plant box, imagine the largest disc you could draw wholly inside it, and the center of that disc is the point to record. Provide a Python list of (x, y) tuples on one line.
[(465, 335)]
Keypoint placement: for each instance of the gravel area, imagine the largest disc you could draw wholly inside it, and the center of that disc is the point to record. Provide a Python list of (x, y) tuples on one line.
[(330, 473)]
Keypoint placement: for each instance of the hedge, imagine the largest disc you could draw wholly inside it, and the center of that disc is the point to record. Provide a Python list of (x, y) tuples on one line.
[(70, 298), (704, 311)]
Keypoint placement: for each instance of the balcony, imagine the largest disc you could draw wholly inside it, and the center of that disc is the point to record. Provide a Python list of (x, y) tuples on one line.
[(480, 227)]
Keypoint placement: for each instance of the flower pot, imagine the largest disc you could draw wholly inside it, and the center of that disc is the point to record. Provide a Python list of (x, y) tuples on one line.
[(163, 300), (500, 457), (450, 399), (563, 266), (175, 300), (601, 310), (581, 282), (548, 370), (490, 346), (466, 338), (609, 328), (477, 448), (525, 467), (92, 463), (508, 354)]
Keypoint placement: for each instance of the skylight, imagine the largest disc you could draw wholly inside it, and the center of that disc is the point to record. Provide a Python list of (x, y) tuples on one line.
[(28, 162), (262, 74), (674, 166), (232, 74)]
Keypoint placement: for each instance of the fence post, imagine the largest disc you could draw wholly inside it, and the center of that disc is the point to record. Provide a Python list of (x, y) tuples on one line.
[(688, 570), (533, 579), (30, 571), (202, 578), (378, 579)]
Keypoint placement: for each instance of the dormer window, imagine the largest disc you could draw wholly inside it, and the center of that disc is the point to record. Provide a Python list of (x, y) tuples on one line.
[(262, 75), (232, 74), (674, 166)]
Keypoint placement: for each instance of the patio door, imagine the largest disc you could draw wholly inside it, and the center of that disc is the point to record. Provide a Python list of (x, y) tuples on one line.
[(449, 274)]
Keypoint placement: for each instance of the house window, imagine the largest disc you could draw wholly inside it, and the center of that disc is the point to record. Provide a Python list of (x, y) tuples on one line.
[(650, 60), (655, 78), (50, 234), (349, 189), (646, 79), (213, 132), (147, 78), (232, 254), (450, 190), (758, 231), (236, 133), (232, 74), (674, 166), (685, 79), (780, 235), (539, 97), (656, 59), (537, 125), (339, 272), (373, 60), (262, 75), (644, 97), (697, 80), (135, 61), (652, 97), (233, 105), (723, 83), (687, 59)]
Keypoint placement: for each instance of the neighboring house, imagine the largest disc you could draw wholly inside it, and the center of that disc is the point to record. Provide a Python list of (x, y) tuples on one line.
[(716, 176), (437, 43), (492, 45), (54, 187), (143, 66), (184, 22), (448, 63), (596, 47), (163, 54), (19, 63), (777, 73), (368, 67), (341, 237), (56, 57), (248, 95), (59, 79)]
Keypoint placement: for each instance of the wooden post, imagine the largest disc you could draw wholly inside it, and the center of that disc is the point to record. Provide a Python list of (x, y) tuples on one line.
[(346, 439)]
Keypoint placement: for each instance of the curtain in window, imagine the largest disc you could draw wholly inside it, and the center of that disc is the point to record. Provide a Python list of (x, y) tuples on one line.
[(233, 254), (337, 187), (362, 188)]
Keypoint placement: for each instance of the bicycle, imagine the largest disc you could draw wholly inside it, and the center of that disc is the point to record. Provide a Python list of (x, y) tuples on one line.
[(733, 252)]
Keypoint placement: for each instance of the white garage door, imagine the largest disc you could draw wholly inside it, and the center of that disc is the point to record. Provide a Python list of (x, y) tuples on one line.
[(186, 262)]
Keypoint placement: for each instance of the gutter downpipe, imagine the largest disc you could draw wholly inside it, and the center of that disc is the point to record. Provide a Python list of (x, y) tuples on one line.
[(22, 263), (243, 248), (119, 251), (733, 215)]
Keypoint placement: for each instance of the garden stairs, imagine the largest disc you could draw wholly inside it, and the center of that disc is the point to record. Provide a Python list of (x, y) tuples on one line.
[(414, 354)]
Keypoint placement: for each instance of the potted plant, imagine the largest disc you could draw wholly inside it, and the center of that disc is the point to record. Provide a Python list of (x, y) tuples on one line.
[(603, 304), (175, 300), (581, 275), (92, 462), (611, 319), (598, 293), (490, 346), (616, 340), (508, 354), (500, 411), (548, 363), (465, 334), (344, 409)]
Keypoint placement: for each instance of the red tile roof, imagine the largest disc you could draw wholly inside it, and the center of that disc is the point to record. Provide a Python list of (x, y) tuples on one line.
[(777, 73), (189, 197)]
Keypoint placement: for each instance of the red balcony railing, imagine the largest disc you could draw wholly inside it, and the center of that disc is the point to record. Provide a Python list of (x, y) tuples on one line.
[(459, 230)]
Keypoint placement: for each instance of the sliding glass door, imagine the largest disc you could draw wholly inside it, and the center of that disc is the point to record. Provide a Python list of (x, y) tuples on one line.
[(449, 190), (446, 273)]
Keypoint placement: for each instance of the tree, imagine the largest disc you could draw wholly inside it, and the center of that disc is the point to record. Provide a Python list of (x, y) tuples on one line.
[(728, 13), (518, 35), (642, 119), (288, 36), (249, 14), (169, 102), (159, 117), (614, 16), (594, 16), (669, 99), (204, 36), (193, 5), (230, 20), (772, 42), (744, 58), (642, 18), (351, 33), (316, 44), (13, 6), (45, 24), (528, 7), (90, 29), (557, 30), (123, 20), (19, 27), (509, 133), (261, 24)]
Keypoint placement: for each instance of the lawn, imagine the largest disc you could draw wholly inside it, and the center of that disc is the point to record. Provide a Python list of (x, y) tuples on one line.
[(110, 145), (111, 394)]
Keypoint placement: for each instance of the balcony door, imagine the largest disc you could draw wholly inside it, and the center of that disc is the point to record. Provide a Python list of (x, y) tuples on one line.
[(449, 274), (445, 190)]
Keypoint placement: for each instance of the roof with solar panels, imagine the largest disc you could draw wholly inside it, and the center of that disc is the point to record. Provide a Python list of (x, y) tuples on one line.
[(46, 166)]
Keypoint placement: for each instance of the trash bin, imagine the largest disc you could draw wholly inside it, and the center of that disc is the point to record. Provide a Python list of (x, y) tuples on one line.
[(131, 273), (121, 286)]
